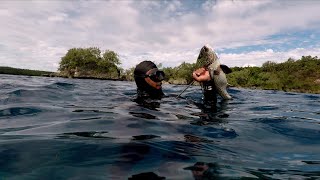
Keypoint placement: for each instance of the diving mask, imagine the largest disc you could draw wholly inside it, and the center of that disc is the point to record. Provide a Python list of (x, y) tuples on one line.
[(155, 75)]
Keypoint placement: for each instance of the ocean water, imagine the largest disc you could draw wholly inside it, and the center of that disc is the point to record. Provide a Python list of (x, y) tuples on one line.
[(53, 128)]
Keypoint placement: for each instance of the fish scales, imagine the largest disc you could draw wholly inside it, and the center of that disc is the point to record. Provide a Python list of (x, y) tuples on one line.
[(220, 80)]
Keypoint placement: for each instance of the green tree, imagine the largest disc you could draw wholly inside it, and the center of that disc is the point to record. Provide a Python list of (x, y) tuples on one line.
[(111, 57), (88, 62)]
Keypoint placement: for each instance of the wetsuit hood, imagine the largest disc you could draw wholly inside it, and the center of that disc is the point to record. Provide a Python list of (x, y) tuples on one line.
[(143, 88)]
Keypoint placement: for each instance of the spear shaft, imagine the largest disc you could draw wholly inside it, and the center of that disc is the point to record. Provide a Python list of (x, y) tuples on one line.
[(185, 89)]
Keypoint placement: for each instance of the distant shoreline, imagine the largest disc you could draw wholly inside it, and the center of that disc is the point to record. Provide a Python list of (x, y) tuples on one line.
[(27, 72)]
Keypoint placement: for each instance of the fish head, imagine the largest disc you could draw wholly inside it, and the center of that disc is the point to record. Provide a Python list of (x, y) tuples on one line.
[(206, 56)]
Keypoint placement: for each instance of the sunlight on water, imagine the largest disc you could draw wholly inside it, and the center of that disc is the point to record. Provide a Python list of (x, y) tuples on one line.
[(94, 129)]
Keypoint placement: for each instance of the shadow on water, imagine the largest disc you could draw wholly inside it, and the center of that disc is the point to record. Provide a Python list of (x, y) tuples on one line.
[(147, 103), (18, 111), (214, 113)]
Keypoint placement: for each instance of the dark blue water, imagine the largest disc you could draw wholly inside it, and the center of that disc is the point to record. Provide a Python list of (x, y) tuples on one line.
[(52, 128)]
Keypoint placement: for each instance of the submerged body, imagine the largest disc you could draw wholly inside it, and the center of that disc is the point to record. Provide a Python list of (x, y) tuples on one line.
[(207, 58)]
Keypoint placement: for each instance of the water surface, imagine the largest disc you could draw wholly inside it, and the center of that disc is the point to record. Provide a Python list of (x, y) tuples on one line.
[(52, 128)]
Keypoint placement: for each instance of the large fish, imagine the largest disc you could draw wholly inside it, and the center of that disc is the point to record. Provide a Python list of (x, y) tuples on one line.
[(208, 58)]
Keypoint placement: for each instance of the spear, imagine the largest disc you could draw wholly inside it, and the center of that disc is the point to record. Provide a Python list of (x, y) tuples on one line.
[(185, 89)]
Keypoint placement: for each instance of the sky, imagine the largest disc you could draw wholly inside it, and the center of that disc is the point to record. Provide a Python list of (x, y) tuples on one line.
[(36, 34)]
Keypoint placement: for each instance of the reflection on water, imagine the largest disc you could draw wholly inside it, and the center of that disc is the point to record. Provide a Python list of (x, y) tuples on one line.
[(201, 170), (92, 129)]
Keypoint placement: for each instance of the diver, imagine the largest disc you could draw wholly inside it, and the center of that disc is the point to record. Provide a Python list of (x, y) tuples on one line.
[(205, 75), (148, 79)]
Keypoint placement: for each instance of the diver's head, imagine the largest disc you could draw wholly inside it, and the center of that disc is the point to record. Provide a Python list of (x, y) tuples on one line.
[(154, 77), (148, 78)]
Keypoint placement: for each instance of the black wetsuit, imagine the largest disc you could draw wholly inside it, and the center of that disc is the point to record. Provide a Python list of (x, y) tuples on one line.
[(209, 94)]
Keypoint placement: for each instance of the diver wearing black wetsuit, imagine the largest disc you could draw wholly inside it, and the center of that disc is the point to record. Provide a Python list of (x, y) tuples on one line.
[(148, 80)]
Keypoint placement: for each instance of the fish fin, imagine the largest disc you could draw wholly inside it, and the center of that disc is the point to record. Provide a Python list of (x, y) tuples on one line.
[(225, 69)]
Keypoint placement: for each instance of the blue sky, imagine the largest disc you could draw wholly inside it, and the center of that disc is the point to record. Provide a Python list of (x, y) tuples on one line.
[(36, 34)]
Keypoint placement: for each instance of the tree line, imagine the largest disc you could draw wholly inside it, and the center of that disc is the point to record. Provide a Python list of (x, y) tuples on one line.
[(26, 72), (301, 75)]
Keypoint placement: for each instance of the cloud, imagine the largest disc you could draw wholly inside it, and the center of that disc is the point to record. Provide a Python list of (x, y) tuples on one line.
[(257, 58), (36, 34), (58, 17), (238, 21)]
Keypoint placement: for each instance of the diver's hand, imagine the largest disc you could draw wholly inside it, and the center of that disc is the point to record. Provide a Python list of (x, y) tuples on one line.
[(201, 75), (199, 72)]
